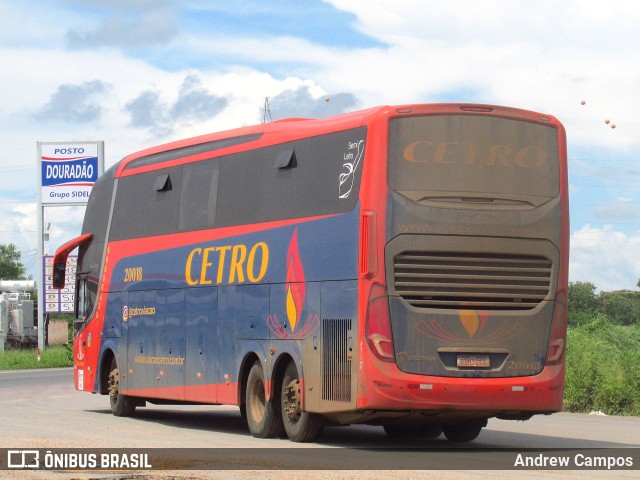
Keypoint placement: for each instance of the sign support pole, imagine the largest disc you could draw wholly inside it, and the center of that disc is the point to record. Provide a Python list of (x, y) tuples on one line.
[(40, 281)]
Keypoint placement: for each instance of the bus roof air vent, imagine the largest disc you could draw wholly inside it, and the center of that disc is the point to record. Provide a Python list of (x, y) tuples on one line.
[(286, 159), (163, 183)]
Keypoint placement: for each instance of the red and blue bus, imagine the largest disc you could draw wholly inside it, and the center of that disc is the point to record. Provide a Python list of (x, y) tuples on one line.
[(399, 266)]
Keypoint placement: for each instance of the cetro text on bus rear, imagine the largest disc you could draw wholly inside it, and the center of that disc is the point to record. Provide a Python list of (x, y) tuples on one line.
[(397, 266)]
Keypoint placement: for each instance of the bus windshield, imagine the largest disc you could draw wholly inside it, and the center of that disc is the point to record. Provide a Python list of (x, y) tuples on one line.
[(438, 157)]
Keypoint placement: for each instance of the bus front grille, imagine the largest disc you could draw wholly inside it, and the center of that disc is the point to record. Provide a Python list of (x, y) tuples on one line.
[(480, 281)]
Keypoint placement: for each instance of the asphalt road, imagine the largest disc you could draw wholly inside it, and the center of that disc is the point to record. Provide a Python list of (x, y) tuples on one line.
[(41, 409)]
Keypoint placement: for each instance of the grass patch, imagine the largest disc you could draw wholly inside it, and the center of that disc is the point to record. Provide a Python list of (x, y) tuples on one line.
[(603, 368), (51, 357)]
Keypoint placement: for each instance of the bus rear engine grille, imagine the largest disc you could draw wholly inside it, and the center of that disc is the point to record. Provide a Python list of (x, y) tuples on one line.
[(336, 360), (480, 281)]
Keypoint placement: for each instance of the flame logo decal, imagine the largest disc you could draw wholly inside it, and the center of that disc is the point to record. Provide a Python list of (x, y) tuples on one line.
[(296, 289), (473, 321), (296, 294)]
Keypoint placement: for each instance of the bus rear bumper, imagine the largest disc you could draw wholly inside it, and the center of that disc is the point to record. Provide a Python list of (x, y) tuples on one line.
[(542, 393)]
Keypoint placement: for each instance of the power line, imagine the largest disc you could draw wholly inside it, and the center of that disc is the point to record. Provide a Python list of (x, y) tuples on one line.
[(604, 186), (602, 222)]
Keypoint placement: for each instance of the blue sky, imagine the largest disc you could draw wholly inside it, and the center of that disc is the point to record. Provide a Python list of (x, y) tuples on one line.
[(135, 73)]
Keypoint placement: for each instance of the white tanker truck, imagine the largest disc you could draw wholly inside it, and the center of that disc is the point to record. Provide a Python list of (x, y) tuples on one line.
[(17, 313)]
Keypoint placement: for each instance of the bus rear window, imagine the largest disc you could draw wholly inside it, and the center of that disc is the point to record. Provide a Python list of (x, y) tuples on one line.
[(464, 156)]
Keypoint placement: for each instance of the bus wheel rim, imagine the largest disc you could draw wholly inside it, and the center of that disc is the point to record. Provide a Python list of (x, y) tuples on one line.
[(114, 384), (291, 400)]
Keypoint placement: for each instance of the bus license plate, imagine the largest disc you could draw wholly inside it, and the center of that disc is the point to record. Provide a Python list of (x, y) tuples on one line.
[(473, 361)]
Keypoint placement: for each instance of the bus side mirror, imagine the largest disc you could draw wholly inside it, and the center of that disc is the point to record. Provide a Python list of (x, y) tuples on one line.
[(59, 274)]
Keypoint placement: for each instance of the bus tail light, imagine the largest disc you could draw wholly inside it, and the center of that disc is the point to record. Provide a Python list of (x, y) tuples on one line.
[(558, 337), (368, 264), (378, 329)]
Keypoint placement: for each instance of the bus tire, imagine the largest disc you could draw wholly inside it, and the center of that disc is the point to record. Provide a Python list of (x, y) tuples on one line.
[(121, 405), (263, 418), (463, 432), (300, 426)]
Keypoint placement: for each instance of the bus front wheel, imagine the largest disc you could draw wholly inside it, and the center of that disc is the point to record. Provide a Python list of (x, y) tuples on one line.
[(121, 405), (263, 418), (300, 426)]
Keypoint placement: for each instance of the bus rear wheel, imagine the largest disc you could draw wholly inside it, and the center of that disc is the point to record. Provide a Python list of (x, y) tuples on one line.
[(263, 417), (121, 405), (300, 426), (463, 432)]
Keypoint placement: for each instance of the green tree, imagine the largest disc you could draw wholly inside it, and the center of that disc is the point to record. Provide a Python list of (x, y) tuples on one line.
[(584, 303), (11, 267), (622, 309)]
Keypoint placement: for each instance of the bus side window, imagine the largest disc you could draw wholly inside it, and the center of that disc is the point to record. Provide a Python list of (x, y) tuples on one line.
[(199, 194), (81, 301), (85, 299)]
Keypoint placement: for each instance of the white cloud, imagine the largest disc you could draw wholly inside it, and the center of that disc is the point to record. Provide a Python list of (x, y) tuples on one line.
[(194, 105), (302, 103), (18, 226), (156, 27), (622, 209), (606, 257), (542, 55), (27, 90), (75, 103)]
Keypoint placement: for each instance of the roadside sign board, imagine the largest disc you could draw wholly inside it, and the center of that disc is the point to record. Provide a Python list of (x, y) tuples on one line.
[(59, 300), (68, 171)]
